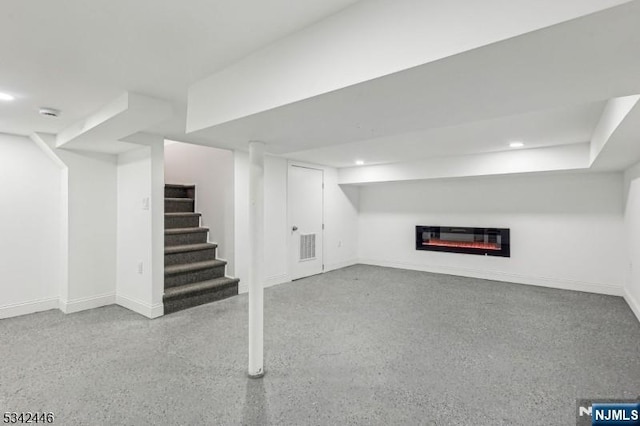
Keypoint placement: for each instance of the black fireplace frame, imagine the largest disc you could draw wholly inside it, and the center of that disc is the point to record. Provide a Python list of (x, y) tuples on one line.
[(504, 233)]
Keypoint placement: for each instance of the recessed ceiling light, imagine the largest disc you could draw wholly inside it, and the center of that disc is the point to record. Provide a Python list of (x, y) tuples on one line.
[(516, 144), (359, 162), (6, 97)]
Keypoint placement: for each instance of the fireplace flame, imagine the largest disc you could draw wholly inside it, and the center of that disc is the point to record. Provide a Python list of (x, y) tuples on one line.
[(464, 244)]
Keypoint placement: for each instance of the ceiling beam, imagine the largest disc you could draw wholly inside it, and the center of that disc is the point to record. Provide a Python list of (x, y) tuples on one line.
[(363, 42), (103, 130), (556, 158)]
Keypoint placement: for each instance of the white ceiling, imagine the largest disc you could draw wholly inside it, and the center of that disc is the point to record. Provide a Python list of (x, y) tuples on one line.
[(77, 55)]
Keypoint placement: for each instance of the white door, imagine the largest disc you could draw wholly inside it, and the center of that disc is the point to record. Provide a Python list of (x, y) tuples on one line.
[(305, 198)]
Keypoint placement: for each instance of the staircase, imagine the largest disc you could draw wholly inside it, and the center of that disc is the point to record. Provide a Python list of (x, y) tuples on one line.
[(192, 274)]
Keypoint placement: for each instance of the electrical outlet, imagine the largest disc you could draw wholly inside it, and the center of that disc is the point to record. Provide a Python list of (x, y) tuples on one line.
[(340, 243), (140, 267), (145, 203)]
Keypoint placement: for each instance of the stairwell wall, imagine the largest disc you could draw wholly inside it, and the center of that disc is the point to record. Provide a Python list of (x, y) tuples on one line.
[(211, 170), (30, 222), (135, 246)]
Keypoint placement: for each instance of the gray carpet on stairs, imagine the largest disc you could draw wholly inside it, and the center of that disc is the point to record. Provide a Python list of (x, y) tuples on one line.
[(193, 275), (181, 220), (362, 346), (189, 253), (178, 205)]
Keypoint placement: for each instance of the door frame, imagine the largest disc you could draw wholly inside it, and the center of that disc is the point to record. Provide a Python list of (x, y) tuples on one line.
[(290, 248)]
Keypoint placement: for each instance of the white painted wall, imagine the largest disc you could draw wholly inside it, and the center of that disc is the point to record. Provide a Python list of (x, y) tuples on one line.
[(59, 225), (241, 223), (89, 231), (632, 232), (341, 222), (276, 268), (157, 213), (134, 288), (92, 230), (156, 145), (211, 170), (567, 230), (340, 213), (30, 222)]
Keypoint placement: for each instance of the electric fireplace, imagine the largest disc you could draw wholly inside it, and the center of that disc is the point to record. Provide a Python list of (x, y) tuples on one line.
[(457, 239)]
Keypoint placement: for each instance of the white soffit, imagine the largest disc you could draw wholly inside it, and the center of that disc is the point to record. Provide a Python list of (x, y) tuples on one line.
[(366, 41), (616, 142), (560, 126), (124, 116), (586, 60), (549, 159)]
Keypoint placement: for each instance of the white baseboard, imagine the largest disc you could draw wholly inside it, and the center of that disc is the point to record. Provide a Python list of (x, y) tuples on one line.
[(562, 284), (82, 304), (17, 309), (286, 278), (277, 279), (338, 265), (268, 282), (140, 307), (633, 303), (77, 305)]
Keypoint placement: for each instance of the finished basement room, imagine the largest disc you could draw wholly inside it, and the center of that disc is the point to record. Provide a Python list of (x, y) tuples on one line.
[(380, 212)]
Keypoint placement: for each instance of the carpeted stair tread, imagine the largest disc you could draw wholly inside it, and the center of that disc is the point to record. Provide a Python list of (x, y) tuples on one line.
[(189, 247), (180, 200), (182, 214), (193, 289), (182, 219), (193, 267), (177, 185), (179, 203), (173, 231)]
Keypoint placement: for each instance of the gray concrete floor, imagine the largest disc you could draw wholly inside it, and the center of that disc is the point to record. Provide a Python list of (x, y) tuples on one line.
[(361, 345)]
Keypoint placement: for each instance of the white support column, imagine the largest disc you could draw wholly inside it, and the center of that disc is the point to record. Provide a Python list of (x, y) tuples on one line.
[(256, 233)]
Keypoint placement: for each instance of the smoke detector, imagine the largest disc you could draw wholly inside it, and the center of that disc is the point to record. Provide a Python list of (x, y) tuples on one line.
[(49, 112)]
